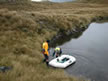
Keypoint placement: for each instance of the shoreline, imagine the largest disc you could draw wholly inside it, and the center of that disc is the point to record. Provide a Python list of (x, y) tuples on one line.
[(75, 33), (24, 27)]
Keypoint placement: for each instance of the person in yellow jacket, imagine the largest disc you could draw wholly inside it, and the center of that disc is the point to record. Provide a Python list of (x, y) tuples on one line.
[(57, 51), (45, 51)]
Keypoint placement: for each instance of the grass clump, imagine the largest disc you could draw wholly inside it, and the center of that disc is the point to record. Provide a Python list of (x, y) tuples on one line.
[(24, 27), (94, 1)]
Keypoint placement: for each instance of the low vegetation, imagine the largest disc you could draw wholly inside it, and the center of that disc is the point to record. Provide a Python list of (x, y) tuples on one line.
[(94, 1), (23, 28)]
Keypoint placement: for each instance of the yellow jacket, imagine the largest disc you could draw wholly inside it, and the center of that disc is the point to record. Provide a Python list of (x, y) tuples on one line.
[(57, 49), (45, 47)]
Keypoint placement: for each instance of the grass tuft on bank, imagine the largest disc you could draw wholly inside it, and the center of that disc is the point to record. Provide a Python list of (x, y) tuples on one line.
[(24, 27)]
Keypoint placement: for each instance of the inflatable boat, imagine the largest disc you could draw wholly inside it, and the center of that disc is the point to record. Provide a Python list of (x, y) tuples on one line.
[(63, 61)]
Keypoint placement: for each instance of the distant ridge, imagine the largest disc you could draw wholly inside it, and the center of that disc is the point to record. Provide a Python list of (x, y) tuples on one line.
[(95, 1), (39, 0), (14, 0)]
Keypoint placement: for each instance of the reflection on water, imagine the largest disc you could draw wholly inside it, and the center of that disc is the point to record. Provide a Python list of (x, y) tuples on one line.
[(63, 39), (91, 52)]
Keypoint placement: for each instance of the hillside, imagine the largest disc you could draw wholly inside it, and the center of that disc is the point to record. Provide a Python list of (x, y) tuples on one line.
[(24, 27), (95, 1)]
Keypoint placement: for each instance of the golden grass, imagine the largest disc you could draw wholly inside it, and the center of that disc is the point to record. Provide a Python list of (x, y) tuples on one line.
[(94, 1), (23, 28)]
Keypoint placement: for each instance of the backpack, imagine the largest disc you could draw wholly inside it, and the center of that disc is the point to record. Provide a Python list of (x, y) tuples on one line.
[(42, 50)]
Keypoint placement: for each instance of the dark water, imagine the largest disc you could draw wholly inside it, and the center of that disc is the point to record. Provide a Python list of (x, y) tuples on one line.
[(91, 52), (62, 0)]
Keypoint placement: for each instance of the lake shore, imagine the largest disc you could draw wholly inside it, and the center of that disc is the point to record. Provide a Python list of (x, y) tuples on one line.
[(24, 27)]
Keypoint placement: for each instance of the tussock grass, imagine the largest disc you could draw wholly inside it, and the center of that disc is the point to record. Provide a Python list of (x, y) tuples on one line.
[(94, 1), (23, 28)]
